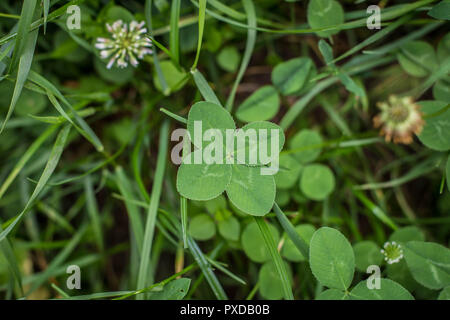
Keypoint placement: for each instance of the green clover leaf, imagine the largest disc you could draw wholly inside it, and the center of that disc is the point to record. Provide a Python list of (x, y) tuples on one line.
[(263, 104), (252, 143), (241, 178)]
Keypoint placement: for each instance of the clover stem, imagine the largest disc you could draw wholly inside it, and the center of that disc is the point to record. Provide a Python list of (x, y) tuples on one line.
[(173, 115)]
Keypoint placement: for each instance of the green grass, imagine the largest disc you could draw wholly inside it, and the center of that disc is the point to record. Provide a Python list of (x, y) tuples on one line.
[(87, 177)]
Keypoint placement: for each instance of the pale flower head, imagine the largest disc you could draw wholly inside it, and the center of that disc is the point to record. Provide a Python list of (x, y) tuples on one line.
[(399, 119), (392, 251), (127, 45)]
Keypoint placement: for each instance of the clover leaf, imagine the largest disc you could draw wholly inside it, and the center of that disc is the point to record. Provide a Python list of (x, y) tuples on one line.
[(436, 132), (250, 191), (250, 148), (331, 257), (323, 14), (263, 104), (389, 290), (240, 177)]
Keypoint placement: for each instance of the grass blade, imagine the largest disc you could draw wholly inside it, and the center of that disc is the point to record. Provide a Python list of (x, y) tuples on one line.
[(38, 23), (276, 258), (25, 62), (377, 211), (143, 275), (136, 162), (46, 9), (204, 88), (92, 209), (419, 170), (23, 28), (377, 36), (58, 260), (201, 26), (12, 261), (55, 155), (54, 216), (205, 266), (81, 126), (157, 285), (198, 255), (6, 51), (174, 30), (298, 107), (183, 209), (60, 291), (226, 271), (99, 295), (148, 20), (173, 116), (90, 136), (301, 245), (386, 15), (108, 160), (200, 258), (135, 216), (249, 46), (241, 16), (25, 158)]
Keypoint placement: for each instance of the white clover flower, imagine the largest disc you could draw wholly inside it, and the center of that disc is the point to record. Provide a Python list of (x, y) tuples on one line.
[(128, 44), (392, 251), (399, 119)]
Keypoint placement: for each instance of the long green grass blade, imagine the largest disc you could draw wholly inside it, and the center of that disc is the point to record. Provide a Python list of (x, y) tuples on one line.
[(376, 210), (201, 27), (125, 189), (249, 46), (205, 266), (144, 272), (174, 30), (25, 61), (55, 216), (174, 116), (26, 157), (290, 116), (226, 271), (94, 215), (50, 167), (298, 107), (26, 16), (386, 15), (99, 295), (184, 218), (276, 258), (40, 22), (235, 14), (58, 260), (6, 51), (101, 165), (46, 9), (418, 171), (204, 88), (148, 20), (8, 253), (160, 284), (301, 245), (377, 36), (199, 257), (60, 291), (54, 93)]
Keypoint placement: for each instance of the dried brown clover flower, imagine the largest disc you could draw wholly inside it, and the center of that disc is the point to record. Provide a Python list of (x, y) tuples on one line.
[(399, 119)]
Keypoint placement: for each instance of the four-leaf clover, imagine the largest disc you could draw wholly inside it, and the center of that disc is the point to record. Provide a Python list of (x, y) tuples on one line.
[(248, 189)]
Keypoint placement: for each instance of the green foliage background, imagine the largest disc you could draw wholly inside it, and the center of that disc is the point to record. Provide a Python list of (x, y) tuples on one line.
[(86, 177)]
